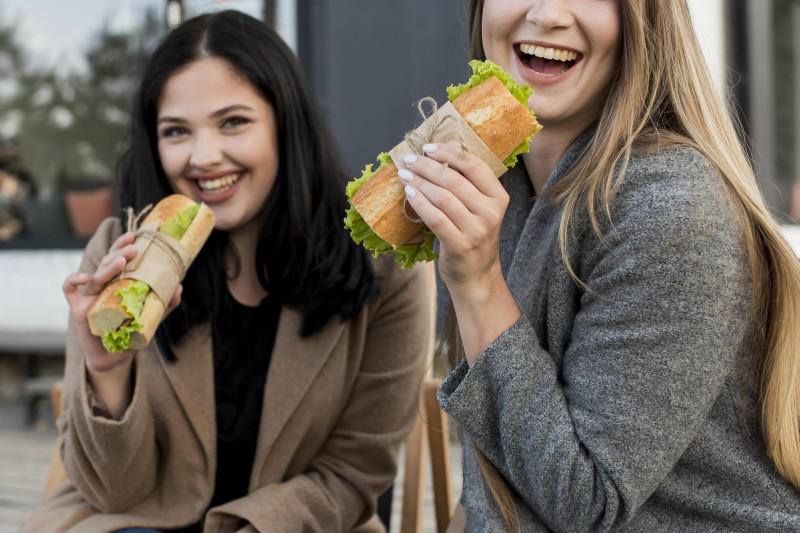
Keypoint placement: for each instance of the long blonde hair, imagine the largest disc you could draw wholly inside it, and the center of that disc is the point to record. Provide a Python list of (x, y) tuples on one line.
[(662, 62)]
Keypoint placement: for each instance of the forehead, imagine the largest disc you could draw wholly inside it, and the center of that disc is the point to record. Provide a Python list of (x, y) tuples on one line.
[(204, 86)]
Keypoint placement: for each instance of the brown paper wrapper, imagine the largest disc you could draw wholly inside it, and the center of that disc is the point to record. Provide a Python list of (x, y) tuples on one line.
[(445, 125), (160, 261)]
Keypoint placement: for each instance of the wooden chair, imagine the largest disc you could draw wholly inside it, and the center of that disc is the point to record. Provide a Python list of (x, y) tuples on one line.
[(430, 434), (57, 474), (429, 438)]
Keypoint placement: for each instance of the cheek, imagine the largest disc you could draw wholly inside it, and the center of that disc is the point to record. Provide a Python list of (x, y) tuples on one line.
[(170, 157)]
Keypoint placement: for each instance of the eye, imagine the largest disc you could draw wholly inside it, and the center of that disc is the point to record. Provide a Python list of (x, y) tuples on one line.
[(173, 131), (234, 121)]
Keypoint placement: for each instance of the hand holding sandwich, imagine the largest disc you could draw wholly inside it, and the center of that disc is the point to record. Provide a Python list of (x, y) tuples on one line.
[(109, 373), (459, 198)]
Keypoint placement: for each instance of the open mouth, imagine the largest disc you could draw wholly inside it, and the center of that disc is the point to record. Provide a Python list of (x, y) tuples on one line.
[(547, 61), (218, 185)]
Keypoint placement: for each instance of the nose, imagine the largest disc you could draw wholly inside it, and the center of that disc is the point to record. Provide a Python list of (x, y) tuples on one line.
[(550, 14), (206, 151)]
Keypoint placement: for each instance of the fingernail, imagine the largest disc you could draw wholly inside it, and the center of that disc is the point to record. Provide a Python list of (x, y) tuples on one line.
[(405, 175), (429, 148), (409, 159), (411, 192)]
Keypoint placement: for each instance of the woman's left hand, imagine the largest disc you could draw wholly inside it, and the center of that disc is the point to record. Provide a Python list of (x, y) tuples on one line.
[(463, 203)]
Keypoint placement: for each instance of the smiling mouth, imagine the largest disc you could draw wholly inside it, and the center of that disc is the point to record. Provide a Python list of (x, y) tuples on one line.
[(218, 185), (547, 61)]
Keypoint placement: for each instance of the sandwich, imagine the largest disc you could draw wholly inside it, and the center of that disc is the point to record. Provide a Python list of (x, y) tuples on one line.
[(129, 309), (494, 107)]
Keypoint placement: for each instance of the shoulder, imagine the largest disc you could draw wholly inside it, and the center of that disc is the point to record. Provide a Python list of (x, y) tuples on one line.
[(675, 190), (676, 177)]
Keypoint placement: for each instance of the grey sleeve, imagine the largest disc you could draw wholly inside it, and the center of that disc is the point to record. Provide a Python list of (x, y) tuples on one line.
[(585, 444)]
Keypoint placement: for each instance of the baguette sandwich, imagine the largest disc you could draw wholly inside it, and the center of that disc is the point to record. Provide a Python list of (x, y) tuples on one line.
[(495, 108), (127, 312)]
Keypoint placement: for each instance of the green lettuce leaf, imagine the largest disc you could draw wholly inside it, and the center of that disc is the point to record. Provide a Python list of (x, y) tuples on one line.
[(481, 71), (132, 303), (177, 225), (360, 232), (134, 295)]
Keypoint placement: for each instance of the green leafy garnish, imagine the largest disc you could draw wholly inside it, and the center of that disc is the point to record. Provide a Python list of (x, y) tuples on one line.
[(177, 225), (132, 303)]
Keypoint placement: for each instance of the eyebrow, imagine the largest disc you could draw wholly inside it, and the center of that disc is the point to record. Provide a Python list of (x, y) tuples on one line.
[(215, 114)]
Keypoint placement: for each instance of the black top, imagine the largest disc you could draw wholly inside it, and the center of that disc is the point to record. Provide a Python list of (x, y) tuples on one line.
[(243, 341)]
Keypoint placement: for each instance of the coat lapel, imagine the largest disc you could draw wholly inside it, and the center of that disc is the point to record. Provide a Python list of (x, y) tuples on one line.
[(192, 379), (295, 363)]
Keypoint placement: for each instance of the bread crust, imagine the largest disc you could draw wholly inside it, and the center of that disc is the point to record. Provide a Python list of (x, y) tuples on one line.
[(496, 117), (380, 201), (106, 315), (499, 119)]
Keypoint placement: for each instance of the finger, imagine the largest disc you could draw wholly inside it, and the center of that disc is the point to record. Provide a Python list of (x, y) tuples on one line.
[(466, 164), (123, 240), (70, 287), (104, 274), (438, 222), (128, 252), (446, 201), (435, 175)]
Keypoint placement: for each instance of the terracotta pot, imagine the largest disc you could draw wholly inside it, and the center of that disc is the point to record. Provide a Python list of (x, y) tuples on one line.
[(87, 209)]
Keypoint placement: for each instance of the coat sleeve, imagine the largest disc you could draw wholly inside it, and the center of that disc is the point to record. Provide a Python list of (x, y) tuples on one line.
[(586, 442), (358, 462), (112, 463)]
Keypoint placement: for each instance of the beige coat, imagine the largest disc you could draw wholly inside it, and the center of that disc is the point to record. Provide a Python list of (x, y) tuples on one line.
[(337, 406)]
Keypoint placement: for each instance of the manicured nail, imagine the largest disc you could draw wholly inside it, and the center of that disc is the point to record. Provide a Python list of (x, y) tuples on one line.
[(411, 192), (409, 159), (405, 175), (429, 148)]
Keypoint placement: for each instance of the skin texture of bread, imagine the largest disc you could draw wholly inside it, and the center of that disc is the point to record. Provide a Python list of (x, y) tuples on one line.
[(106, 314), (496, 117)]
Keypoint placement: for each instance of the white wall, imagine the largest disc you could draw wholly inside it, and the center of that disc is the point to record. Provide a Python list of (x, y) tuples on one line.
[(709, 22)]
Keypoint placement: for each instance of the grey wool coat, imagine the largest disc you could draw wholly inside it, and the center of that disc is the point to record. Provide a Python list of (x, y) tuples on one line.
[(629, 407)]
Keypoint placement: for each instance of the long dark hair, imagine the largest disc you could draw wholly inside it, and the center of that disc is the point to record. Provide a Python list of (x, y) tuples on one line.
[(305, 258)]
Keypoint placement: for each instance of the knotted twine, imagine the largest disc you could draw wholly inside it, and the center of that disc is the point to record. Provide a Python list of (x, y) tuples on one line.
[(444, 124), (160, 261)]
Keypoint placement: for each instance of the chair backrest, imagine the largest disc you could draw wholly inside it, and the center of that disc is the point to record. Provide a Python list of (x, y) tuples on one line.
[(57, 474), (429, 438)]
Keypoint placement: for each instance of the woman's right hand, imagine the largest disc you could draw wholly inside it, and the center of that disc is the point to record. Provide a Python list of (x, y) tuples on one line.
[(109, 373)]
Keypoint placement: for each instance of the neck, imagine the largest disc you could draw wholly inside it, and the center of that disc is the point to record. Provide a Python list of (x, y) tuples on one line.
[(245, 286), (547, 149)]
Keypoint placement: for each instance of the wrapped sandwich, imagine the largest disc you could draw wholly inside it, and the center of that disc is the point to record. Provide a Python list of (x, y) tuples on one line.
[(491, 120), (128, 311)]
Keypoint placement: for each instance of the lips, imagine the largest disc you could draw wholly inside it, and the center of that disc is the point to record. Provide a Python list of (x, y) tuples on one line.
[(547, 61), (218, 185)]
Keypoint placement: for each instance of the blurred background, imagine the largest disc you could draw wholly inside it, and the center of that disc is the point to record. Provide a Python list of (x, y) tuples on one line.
[(67, 76)]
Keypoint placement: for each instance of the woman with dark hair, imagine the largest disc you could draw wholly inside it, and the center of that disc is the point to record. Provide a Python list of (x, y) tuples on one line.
[(279, 388), (624, 311)]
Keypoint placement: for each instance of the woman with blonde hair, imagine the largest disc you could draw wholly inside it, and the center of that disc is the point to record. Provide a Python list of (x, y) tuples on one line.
[(624, 312)]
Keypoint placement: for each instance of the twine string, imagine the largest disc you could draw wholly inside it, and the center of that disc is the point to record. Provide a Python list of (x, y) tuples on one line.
[(163, 241), (417, 140)]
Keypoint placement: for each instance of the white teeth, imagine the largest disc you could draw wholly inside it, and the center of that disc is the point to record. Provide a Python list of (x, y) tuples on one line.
[(548, 53), (218, 185)]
